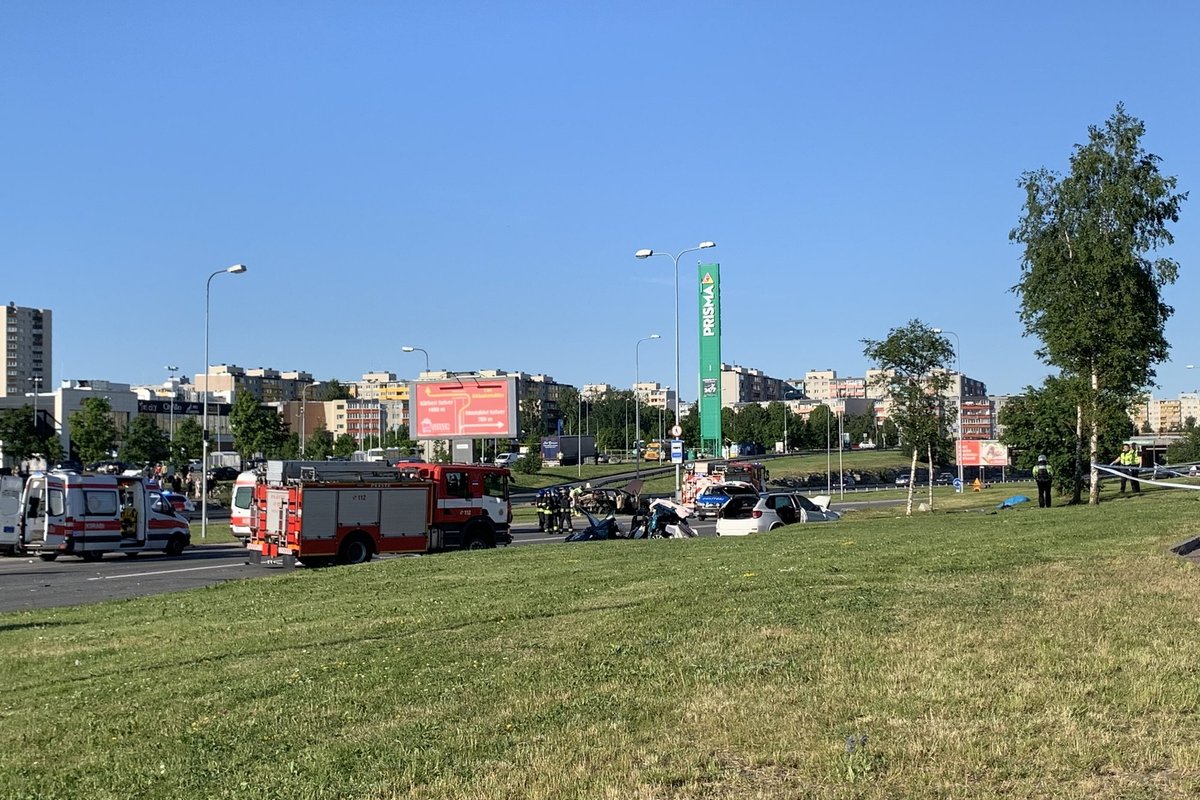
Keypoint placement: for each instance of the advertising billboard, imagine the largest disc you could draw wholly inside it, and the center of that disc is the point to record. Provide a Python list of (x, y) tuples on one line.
[(464, 408), (982, 453), (710, 358)]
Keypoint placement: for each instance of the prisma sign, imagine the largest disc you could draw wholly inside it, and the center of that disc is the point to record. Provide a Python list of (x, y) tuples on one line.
[(464, 408)]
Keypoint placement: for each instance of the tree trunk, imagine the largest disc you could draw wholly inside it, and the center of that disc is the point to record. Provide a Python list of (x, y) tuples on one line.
[(912, 482), (1094, 443), (1077, 492), (929, 450)]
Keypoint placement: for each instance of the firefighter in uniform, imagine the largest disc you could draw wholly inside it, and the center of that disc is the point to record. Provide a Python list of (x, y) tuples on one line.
[(543, 509)]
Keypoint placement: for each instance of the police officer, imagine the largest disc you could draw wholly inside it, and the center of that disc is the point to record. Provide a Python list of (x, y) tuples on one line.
[(1044, 477), (1128, 462)]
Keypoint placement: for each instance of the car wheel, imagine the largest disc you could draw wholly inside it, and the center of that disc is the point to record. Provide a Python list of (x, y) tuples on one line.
[(776, 526), (174, 546), (47, 556), (91, 555)]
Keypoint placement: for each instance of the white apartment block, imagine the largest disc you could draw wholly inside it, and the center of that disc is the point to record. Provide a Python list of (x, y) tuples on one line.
[(654, 395)]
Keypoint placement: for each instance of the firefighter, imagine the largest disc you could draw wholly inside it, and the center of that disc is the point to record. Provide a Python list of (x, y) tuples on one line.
[(543, 509), (565, 502), (552, 517)]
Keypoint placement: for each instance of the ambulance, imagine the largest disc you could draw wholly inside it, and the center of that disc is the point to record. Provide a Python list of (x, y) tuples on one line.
[(10, 513), (66, 513)]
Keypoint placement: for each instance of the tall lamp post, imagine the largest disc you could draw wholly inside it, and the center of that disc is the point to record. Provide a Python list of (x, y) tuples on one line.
[(408, 349), (236, 269), (675, 258), (637, 410), (171, 371), (36, 382), (959, 432)]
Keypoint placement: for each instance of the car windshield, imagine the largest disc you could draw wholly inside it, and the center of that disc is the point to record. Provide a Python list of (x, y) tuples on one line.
[(805, 503)]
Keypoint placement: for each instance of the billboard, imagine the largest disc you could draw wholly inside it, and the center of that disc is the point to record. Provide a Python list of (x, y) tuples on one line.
[(982, 453), (464, 408), (710, 358)]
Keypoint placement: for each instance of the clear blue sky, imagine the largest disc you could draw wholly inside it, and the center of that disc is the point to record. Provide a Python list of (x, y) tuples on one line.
[(474, 178)]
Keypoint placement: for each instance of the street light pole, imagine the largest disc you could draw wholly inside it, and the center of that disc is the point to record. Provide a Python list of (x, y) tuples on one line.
[(675, 259), (236, 269), (36, 380), (959, 432), (637, 416), (171, 374), (408, 349)]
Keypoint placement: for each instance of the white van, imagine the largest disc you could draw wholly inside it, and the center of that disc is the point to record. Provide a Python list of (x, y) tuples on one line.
[(240, 505), (506, 459), (10, 512)]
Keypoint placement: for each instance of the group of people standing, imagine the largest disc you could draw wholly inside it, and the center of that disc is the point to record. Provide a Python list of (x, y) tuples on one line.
[(1127, 462)]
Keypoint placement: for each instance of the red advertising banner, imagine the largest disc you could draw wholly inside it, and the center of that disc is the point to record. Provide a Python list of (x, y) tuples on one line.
[(462, 409), (982, 453)]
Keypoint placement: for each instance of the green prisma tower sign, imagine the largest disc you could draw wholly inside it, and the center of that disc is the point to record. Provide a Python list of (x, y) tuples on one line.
[(710, 359)]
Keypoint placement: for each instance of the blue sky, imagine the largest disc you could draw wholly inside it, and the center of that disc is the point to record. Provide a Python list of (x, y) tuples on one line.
[(474, 178)]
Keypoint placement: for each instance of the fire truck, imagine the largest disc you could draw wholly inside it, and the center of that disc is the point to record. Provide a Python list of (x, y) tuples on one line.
[(702, 474), (321, 512), (65, 513)]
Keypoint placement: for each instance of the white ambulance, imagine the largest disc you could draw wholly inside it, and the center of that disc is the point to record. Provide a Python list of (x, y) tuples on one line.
[(240, 503), (10, 513), (65, 513)]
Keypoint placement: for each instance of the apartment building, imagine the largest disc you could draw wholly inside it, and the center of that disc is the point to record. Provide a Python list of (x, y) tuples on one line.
[(28, 340)]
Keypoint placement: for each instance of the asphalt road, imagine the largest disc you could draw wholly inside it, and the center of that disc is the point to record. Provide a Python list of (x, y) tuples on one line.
[(28, 583)]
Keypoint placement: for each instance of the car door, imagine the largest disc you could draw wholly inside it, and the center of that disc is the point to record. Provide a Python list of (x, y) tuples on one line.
[(783, 507)]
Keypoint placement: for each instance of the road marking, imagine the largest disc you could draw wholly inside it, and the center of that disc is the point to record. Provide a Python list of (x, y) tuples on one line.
[(163, 572)]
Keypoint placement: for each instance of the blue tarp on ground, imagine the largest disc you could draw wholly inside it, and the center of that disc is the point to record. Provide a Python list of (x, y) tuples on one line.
[(1016, 499)]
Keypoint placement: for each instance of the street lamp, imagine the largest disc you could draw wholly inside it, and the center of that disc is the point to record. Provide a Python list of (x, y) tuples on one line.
[(36, 380), (408, 349), (236, 269), (637, 415), (675, 258), (171, 374), (959, 432)]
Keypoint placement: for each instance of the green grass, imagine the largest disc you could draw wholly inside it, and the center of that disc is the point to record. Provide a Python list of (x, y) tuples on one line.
[(1026, 653)]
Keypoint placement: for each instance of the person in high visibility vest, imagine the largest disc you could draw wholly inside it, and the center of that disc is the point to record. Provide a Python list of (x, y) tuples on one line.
[(1044, 477), (1128, 462)]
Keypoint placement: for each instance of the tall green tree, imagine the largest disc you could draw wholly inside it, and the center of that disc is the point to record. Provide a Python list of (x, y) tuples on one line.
[(93, 430), (145, 442), (257, 429), (1089, 288), (915, 371), (187, 446), (344, 445), (333, 389), (319, 445), (16, 431)]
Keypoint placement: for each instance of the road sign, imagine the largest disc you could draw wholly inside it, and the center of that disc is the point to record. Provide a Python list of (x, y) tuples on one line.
[(676, 431), (484, 408), (958, 485), (677, 451)]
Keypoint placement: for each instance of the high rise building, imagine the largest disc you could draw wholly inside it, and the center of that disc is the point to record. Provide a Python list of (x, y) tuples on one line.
[(28, 340)]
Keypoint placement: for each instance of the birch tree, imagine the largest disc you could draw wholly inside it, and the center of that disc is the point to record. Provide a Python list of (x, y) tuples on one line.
[(1089, 288)]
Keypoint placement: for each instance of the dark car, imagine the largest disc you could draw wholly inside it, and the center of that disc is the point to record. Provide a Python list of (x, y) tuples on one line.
[(713, 497), (220, 474)]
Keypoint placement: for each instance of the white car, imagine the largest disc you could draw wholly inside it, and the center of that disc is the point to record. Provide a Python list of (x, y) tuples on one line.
[(742, 516)]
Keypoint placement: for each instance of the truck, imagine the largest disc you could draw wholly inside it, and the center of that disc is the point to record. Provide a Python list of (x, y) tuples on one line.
[(655, 451), (567, 450), (320, 512), (68, 513)]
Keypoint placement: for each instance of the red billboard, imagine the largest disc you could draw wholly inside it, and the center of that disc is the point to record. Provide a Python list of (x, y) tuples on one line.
[(982, 453), (466, 408)]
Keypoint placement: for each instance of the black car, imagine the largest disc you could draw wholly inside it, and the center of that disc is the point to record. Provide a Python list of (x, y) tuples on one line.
[(219, 474)]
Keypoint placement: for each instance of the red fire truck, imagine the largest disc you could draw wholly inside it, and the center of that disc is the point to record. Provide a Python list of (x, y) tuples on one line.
[(320, 512)]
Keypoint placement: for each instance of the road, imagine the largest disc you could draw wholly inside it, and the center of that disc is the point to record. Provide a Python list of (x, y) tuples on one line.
[(28, 583)]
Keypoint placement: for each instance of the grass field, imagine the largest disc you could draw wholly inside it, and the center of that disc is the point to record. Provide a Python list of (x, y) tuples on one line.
[(960, 654)]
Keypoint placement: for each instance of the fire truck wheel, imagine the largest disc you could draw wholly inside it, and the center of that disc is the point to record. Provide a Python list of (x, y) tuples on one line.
[(475, 538), (47, 556), (355, 549), (174, 546)]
